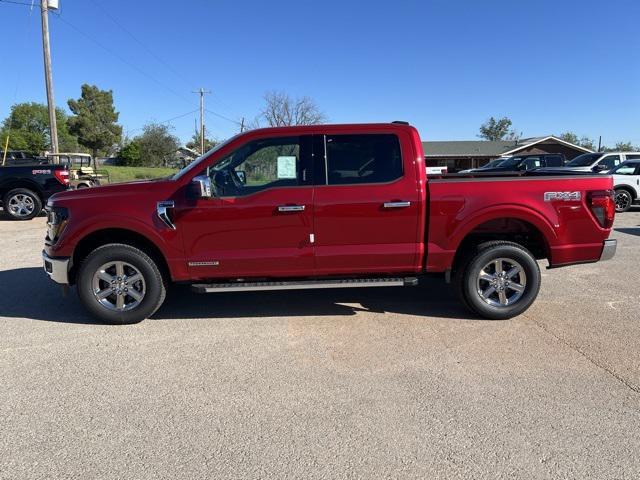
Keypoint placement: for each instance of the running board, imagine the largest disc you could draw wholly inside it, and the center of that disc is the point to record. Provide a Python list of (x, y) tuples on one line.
[(304, 284)]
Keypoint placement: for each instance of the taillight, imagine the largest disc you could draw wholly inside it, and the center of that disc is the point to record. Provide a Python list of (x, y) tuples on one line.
[(62, 176), (603, 207)]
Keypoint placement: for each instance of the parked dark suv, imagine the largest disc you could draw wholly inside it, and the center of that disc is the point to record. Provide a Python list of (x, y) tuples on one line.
[(525, 162)]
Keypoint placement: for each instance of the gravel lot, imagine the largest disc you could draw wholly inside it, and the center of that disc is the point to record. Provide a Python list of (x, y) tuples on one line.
[(377, 383)]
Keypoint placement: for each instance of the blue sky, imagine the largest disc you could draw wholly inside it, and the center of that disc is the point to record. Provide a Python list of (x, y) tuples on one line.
[(443, 65)]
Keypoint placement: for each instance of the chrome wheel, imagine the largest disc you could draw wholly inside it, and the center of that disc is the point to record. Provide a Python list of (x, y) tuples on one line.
[(118, 286), (623, 200), (501, 282), (21, 205)]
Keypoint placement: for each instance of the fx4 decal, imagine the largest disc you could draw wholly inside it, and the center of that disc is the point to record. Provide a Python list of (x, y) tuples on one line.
[(562, 196)]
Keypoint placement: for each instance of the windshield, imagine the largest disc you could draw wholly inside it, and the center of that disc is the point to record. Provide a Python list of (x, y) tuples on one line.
[(511, 162), (198, 160), (584, 160), (493, 163)]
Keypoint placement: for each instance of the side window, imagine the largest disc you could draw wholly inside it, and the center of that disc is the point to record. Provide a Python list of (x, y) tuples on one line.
[(554, 161), (356, 159), (633, 156), (627, 169), (610, 161), (531, 162), (258, 165)]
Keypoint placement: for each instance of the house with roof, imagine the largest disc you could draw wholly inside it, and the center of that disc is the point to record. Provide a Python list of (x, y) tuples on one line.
[(460, 155)]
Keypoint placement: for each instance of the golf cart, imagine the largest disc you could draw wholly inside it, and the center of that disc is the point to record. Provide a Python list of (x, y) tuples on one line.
[(82, 171)]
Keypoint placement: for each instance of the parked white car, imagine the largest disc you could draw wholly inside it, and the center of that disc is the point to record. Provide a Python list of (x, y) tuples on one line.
[(601, 162), (626, 182)]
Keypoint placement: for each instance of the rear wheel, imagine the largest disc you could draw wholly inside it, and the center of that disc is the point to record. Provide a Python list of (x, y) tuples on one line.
[(22, 204), (120, 284), (623, 200), (499, 281)]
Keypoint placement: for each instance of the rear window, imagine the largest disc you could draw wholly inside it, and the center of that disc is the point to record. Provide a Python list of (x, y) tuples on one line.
[(356, 159), (554, 161)]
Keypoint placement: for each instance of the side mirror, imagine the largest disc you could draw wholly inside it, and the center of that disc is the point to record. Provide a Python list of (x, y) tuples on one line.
[(202, 185), (242, 176), (600, 168)]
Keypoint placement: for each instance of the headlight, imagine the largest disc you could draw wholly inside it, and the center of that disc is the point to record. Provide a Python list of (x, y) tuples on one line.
[(57, 219)]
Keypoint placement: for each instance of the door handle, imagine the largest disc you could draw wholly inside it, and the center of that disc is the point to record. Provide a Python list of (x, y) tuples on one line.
[(291, 208), (397, 204)]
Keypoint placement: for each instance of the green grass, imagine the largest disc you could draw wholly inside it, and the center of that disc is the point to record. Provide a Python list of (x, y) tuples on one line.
[(127, 174)]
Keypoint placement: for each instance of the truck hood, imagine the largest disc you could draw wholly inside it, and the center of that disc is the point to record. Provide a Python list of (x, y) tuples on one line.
[(145, 187)]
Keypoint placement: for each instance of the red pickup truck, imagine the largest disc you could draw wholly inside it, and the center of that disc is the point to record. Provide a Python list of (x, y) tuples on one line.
[(328, 206)]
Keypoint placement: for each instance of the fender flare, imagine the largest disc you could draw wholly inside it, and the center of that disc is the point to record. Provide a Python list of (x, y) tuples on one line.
[(496, 212), (628, 188)]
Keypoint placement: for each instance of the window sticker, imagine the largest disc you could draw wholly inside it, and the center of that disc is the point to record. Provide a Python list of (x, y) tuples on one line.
[(287, 167)]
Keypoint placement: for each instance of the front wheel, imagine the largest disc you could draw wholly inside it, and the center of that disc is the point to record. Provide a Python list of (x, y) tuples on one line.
[(623, 200), (500, 280), (120, 284), (22, 204)]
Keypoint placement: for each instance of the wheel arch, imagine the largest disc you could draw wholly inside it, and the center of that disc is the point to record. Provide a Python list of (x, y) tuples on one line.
[(628, 188), (24, 183), (519, 226), (106, 236)]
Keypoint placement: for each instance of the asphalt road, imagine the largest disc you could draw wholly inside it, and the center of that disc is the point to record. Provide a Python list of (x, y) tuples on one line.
[(377, 383)]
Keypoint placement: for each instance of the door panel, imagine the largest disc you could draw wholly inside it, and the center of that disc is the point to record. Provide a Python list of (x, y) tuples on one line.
[(249, 236), (355, 232), (260, 222)]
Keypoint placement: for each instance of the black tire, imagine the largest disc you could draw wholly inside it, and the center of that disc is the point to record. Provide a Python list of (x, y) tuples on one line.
[(155, 288), (31, 197), (468, 285), (624, 200)]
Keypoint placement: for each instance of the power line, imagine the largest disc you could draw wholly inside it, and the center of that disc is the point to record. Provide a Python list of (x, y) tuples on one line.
[(138, 69), (166, 121), (139, 42), (222, 117), (13, 2), (123, 60)]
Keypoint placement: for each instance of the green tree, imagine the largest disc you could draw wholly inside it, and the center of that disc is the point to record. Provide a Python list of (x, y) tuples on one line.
[(130, 154), (497, 129), (194, 143), (28, 129), (583, 141), (95, 119), (624, 147), (157, 145), (570, 137), (586, 142)]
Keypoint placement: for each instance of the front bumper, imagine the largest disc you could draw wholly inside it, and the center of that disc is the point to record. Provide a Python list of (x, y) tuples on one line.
[(57, 268), (608, 250)]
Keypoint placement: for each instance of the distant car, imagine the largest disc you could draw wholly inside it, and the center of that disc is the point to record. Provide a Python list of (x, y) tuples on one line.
[(493, 163), (600, 162), (626, 183), (524, 162), (437, 170), (15, 158)]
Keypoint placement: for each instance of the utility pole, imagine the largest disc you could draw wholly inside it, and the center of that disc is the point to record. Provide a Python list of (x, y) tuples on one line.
[(242, 125), (53, 127), (202, 92)]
